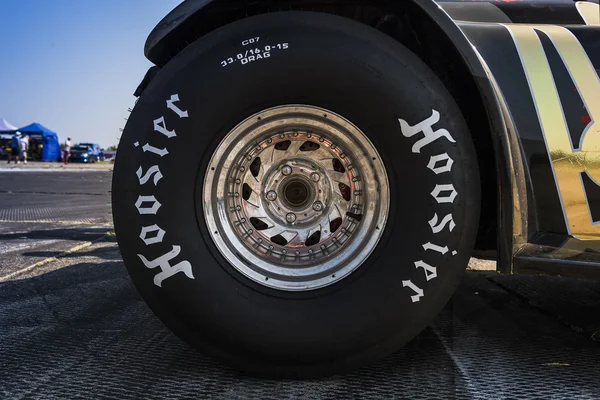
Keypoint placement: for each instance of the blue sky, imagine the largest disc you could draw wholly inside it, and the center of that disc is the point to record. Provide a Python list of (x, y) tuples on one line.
[(72, 65)]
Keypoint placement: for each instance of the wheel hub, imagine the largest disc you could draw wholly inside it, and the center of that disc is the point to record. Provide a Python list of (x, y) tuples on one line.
[(296, 197), (296, 193), (289, 188)]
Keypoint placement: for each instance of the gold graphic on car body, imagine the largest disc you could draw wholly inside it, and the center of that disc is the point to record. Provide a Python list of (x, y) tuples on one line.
[(569, 160), (590, 12)]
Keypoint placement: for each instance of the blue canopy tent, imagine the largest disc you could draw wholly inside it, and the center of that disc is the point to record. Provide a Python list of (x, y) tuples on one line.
[(51, 145)]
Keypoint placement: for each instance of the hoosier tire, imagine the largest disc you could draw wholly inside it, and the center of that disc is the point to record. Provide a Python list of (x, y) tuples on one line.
[(252, 285)]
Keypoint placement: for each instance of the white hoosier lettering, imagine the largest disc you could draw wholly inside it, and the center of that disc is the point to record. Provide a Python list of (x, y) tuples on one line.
[(160, 126), (157, 234), (153, 170), (437, 228), (425, 127), (435, 247), (430, 272), (152, 149), (168, 270), (440, 189), (439, 164), (418, 291), (445, 158), (171, 106), (149, 205), (141, 202)]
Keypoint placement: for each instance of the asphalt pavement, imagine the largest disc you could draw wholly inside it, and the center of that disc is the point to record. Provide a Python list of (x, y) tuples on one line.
[(44, 213), (73, 326)]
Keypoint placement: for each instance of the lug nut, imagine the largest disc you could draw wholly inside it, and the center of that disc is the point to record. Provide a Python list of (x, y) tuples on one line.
[(291, 217), (271, 195), (315, 177), (318, 206), (286, 170)]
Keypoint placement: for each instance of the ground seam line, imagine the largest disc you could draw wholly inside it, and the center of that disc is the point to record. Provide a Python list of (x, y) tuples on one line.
[(594, 336), (49, 260)]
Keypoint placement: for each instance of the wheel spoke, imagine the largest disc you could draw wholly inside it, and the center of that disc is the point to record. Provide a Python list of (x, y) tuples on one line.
[(298, 238), (253, 182), (310, 232), (322, 155), (294, 148), (339, 198), (336, 176), (273, 231), (277, 155), (257, 212), (254, 199), (289, 235), (334, 213), (261, 174)]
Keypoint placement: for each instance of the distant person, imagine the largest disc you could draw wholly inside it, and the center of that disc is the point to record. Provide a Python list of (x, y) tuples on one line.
[(67, 150), (24, 144), (15, 148)]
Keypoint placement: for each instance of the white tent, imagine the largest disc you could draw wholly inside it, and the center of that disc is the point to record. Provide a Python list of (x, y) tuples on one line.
[(6, 126)]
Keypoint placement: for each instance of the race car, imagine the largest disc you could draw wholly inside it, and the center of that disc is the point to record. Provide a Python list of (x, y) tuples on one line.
[(301, 184)]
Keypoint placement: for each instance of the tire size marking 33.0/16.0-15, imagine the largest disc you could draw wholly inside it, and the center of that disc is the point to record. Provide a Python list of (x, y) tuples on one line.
[(254, 54)]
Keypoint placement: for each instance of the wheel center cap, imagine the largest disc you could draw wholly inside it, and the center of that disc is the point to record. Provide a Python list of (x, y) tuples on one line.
[(296, 193)]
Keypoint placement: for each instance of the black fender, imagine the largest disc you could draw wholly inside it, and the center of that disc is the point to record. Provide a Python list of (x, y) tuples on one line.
[(168, 38), (193, 18)]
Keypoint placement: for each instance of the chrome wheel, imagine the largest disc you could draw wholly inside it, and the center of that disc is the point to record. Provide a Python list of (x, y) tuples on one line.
[(296, 197)]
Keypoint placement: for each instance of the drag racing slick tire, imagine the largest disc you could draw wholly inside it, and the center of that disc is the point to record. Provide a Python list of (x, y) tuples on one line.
[(296, 194)]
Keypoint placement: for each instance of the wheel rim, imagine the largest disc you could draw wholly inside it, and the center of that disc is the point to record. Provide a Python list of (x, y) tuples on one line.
[(296, 197)]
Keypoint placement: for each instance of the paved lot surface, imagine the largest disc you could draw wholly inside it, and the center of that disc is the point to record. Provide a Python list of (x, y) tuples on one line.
[(76, 328), (43, 214)]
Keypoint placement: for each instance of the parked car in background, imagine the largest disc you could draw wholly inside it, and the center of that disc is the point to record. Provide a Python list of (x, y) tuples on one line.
[(87, 153)]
